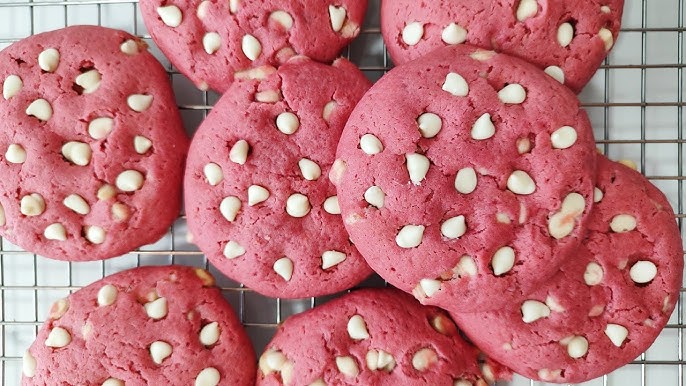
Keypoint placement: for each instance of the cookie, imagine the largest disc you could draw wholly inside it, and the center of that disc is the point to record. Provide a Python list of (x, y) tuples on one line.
[(606, 305), (258, 200), (91, 145), (215, 42), (372, 337), (146, 326), (466, 175), (568, 39)]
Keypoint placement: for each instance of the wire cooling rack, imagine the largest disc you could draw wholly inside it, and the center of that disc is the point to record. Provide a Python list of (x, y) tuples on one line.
[(635, 101)]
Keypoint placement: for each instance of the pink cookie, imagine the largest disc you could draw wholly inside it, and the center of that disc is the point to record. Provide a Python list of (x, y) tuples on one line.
[(215, 42), (146, 326), (257, 197), (92, 145), (569, 39), (373, 337), (465, 177), (607, 304)]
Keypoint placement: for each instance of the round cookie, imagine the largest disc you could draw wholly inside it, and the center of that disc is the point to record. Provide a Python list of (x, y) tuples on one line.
[(146, 326), (213, 43), (373, 337), (569, 39), (466, 175), (91, 145), (257, 197), (606, 305)]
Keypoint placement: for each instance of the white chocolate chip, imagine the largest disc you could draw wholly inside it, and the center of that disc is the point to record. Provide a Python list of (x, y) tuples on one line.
[(28, 365), (15, 154), (417, 167), (258, 73), (56, 232), (594, 274), (337, 16), (129, 47), (410, 236), (257, 194), (239, 152), (287, 372), (298, 205), (628, 163), (141, 144), (413, 33), (284, 268), (49, 59), (533, 310), (424, 358), (465, 180), (482, 55), (565, 34), (100, 128), (456, 85), (379, 360), (229, 208), (283, 18), (203, 9), (208, 377), (78, 153), (553, 304), (512, 94), (211, 42), (564, 137), (370, 144), (616, 333), (643, 272), (526, 9), (32, 205), (106, 192), (454, 228), (58, 309), (328, 110), (523, 145), (337, 171), (549, 375), (272, 361), (375, 197), (287, 123), (597, 195), (58, 338), (331, 205), (623, 223), (483, 128), (89, 81), (268, 96), (40, 108), (113, 382), (309, 169), (11, 86), (130, 180), (462, 382), (577, 347), (443, 325), (521, 183), (233, 6), (465, 267), (318, 382), (139, 102), (561, 224), (453, 34), (332, 258), (156, 309), (95, 234), (3, 220), (209, 334), (605, 9), (607, 38), (170, 15), (429, 124), (120, 212), (107, 295), (159, 351), (213, 173), (204, 276), (347, 366), (556, 73), (357, 328), (428, 287), (233, 250), (251, 47), (503, 261)]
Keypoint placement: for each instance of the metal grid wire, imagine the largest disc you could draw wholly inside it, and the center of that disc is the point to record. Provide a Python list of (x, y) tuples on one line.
[(635, 102)]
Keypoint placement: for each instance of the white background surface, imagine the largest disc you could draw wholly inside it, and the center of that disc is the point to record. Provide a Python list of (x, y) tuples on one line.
[(635, 103)]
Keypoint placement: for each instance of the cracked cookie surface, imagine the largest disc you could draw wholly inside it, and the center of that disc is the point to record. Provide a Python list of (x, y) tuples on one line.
[(215, 42), (146, 326), (91, 155), (466, 175), (258, 200), (608, 303)]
